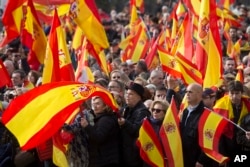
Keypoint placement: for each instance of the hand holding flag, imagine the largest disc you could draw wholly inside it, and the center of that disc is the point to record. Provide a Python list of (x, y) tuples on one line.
[(38, 114)]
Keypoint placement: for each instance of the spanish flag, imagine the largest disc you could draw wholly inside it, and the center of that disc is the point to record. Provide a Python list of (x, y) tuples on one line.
[(83, 72), (179, 67), (33, 36), (208, 48), (224, 107), (150, 147), (51, 71), (211, 126), (12, 18), (37, 115), (139, 43), (85, 14), (170, 136)]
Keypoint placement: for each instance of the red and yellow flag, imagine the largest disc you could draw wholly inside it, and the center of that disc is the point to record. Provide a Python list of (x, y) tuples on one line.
[(208, 47), (239, 75), (226, 3), (139, 44), (32, 35), (59, 68), (170, 136), (85, 14), (179, 67), (211, 126), (11, 20), (44, 110), (83, 72), (174, 29), (57, 65), (224, 107), (152, 59), (183, 41), (5, 78), (51, 70), (150, 147), (77, 40)]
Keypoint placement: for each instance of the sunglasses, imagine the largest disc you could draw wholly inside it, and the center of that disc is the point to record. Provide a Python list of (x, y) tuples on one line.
[(156, 110)]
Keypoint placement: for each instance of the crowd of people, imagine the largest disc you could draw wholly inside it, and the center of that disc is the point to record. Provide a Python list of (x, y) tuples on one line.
[(103, 138)]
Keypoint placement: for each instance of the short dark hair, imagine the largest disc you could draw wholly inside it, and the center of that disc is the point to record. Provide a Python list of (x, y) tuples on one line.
[(21, 72), (161, 88), (235, 86), (142, 64)]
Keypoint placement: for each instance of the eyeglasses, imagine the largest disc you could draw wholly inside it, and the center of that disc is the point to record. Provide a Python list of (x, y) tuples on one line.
[(156, 110)]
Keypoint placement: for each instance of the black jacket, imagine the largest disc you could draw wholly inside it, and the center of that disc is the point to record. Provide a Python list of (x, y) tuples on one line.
[(103, 140), (189, 135), (129, 133)]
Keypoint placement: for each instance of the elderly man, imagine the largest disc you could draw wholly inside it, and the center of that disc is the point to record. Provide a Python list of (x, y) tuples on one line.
[(130, 123), (192, 153)]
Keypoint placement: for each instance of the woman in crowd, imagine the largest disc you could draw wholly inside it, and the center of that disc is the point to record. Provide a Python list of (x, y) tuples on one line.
[(158, 110), (103, 135)]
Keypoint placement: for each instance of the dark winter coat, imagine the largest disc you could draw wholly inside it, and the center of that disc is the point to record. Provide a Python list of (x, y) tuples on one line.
[(189, 135), (103, 140), (130, 132)]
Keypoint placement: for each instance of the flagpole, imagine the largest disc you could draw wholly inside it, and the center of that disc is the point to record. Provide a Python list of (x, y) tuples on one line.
[(238, 126)]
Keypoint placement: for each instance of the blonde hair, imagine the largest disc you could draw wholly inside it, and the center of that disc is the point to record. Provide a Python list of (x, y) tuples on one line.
[(140, 81), (164, 104)]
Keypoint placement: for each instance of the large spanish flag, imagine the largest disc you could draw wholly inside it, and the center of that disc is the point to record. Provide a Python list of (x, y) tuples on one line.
[(170, 136), (150, 147), (86, 16), (211, 126), (37, 115)]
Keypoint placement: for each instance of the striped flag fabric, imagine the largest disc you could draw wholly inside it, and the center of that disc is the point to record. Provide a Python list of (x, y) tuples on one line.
[(208, 48), (5, 78), (51, 71), (85, 14), (11, 19), (33, 36), (239, 76), (179, 67), (139, 43), (37, 115), (183, 42), (83, 72), (150, 147), (211, 126), (170, 136), (224, 107)]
